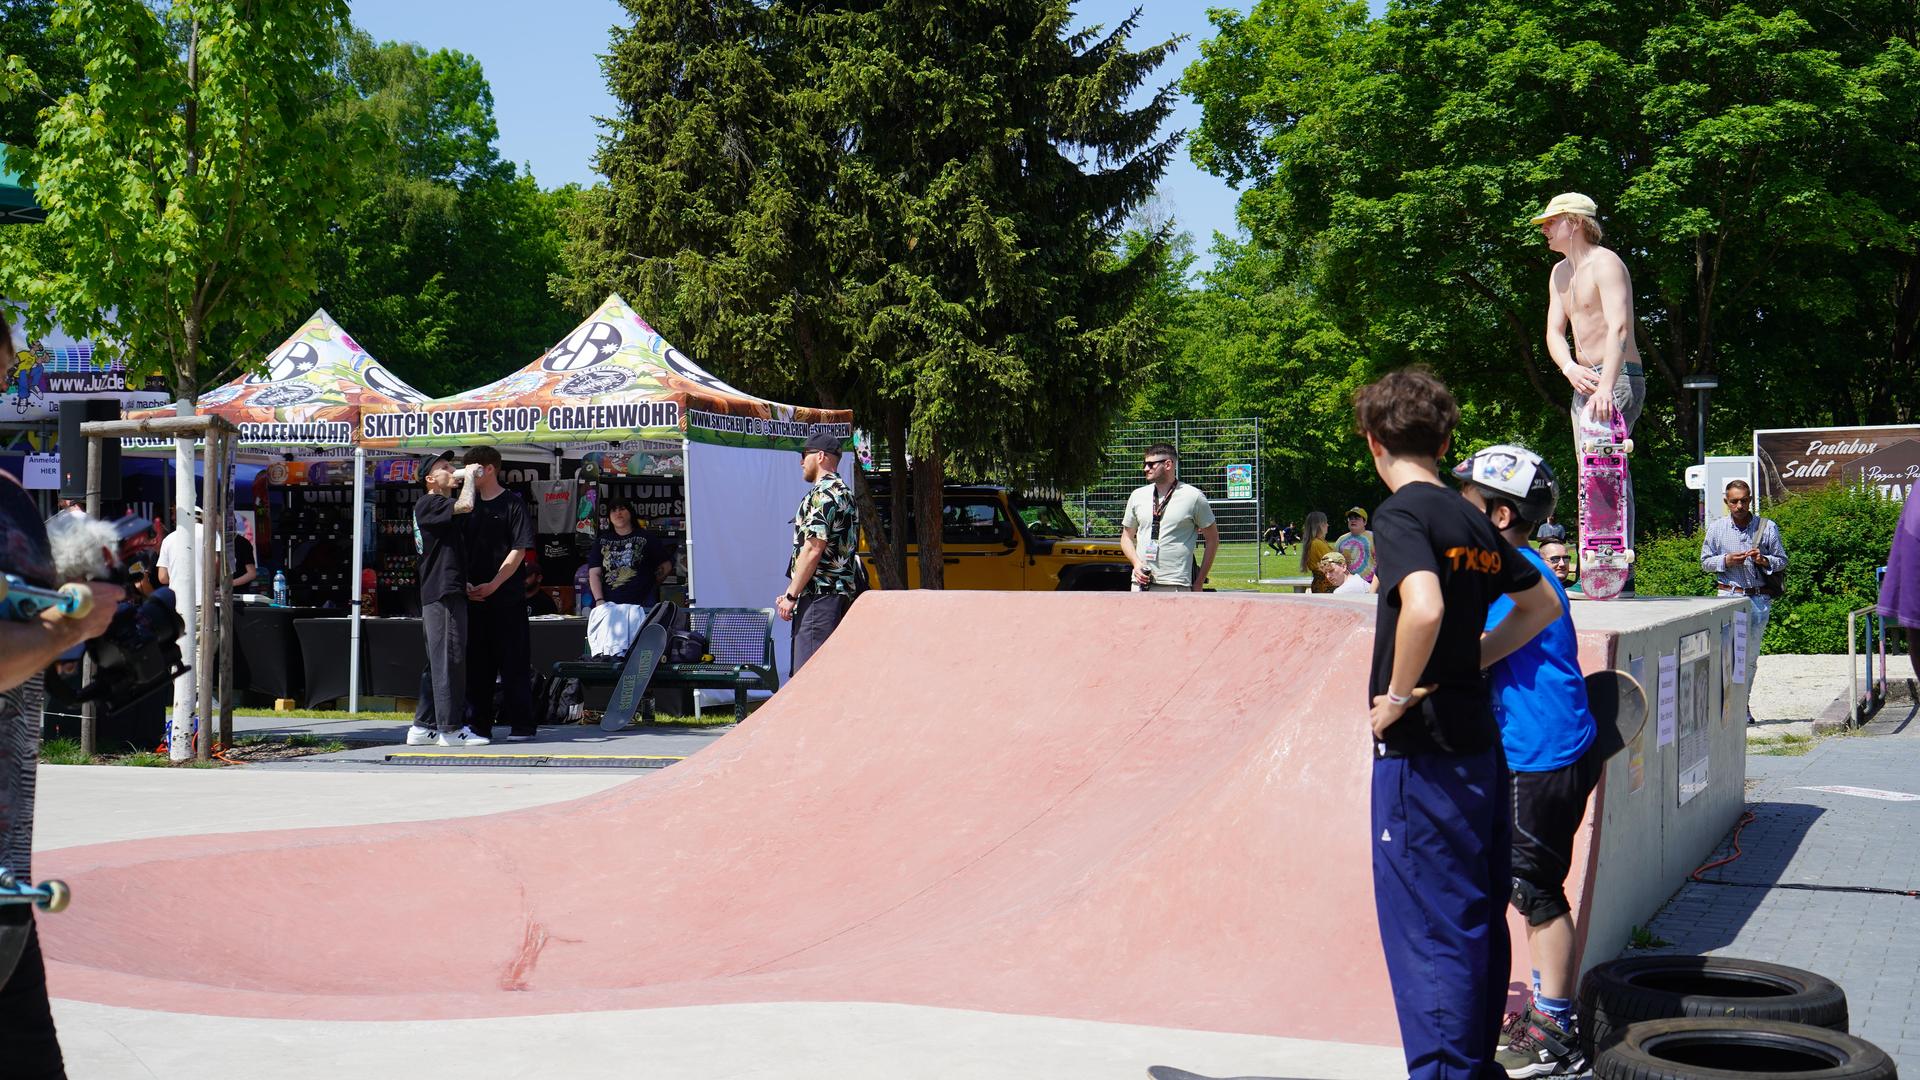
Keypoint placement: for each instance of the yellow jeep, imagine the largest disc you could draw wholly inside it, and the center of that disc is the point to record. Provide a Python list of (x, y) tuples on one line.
[(993, 538)]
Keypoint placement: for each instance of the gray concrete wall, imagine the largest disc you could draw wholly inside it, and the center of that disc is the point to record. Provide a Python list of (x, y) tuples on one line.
[(1647, 840)]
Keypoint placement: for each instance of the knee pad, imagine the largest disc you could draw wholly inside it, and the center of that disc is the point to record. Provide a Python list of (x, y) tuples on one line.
[(1539, 904)]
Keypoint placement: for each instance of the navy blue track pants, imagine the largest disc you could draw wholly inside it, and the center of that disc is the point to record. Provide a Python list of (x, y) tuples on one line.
[(1441, 843)]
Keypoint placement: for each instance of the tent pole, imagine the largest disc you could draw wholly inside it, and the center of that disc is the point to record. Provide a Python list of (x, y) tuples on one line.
[(353, 584), (686, 526)]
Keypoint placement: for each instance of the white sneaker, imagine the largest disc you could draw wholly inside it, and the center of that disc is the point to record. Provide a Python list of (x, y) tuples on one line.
[(463, 737), (420, 736)]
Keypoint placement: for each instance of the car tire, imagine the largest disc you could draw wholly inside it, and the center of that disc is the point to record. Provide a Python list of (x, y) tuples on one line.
[(1618, 993), (1721, 1049)]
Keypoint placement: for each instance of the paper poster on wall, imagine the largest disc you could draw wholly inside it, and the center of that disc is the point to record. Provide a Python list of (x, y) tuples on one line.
[(1740, 648), (1694, 700), (1637, 747), (1669, 678)]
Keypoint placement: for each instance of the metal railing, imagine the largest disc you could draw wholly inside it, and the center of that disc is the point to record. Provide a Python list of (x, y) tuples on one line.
[(1863, 704)]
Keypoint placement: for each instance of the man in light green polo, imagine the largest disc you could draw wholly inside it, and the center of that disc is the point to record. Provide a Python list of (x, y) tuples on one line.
[(1164, 519)]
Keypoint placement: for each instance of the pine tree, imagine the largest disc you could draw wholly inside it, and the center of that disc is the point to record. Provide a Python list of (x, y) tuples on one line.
[(909, 208)]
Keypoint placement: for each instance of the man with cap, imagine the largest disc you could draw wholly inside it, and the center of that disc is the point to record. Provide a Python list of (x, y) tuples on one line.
[(1590, 293), (824, 573), (1357, 544), (440, 533)]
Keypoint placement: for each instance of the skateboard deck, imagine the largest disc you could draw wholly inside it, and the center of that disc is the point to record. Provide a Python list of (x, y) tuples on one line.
[(1170, 1073), (1606, 551), (635, 674), (1619, 706)]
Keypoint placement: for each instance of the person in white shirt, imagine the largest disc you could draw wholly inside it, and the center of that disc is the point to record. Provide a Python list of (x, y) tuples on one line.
[(173, 549), (1334, 566)]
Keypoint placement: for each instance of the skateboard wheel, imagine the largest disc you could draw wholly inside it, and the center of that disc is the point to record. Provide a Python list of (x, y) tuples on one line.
[(1627, 554), (58, 896), (1626, 446), (80, 599)]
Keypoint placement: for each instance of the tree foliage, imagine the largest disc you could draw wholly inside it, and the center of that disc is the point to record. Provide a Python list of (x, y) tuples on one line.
[(37, 66), (906, 207), (440, 266), (187, 180), (1755, 163)]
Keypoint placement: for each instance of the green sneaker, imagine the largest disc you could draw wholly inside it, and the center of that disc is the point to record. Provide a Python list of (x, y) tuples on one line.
[(1511, 1027), (1544, 1048)]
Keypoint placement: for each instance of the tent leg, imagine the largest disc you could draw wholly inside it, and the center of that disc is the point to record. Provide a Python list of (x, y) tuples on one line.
[(353, 583)]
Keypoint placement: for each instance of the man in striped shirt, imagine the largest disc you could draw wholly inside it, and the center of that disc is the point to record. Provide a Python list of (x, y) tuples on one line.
[(1739, 550)]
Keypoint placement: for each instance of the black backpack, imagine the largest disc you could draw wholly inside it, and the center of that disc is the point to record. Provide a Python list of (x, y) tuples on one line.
[(684, 646)]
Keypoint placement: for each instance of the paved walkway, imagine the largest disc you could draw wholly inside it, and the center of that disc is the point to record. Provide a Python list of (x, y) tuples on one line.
[(1832, 842), (1791, 692), (382, 743)]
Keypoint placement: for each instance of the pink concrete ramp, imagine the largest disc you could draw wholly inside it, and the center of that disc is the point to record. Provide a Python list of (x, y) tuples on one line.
[(1146, 809)]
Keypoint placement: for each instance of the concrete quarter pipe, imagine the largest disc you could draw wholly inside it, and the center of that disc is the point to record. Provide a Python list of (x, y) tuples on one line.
[(1146, 809)]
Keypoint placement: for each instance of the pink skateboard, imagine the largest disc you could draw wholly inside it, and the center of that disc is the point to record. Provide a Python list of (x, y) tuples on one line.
[(1606, 551)]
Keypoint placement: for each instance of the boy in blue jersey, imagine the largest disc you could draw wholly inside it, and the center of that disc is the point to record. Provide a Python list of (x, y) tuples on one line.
[(1548, 733)]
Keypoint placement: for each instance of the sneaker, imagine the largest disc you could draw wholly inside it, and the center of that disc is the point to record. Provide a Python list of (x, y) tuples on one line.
[(520, 736), (420, 736), (1543, 1049), (463, 737), (1511, 1027)]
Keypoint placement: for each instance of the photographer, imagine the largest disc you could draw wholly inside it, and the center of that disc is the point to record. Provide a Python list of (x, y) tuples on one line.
[(26, 647)]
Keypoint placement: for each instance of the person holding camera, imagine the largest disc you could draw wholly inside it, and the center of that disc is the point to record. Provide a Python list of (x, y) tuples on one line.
[(1744, 554), (27, 647), (1173, 515)]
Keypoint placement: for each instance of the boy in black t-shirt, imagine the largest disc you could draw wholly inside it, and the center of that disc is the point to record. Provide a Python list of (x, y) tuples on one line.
[(1440, 828), (498, 643)]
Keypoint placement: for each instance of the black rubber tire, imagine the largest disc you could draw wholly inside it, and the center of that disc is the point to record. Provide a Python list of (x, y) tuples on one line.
[(1711, 1049), (1622, 992)]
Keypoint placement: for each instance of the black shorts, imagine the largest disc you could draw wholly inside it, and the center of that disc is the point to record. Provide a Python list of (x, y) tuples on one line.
[(1547, 811)]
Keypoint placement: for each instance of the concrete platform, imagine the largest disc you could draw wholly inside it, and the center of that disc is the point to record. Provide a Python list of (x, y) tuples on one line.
[(383, 742)]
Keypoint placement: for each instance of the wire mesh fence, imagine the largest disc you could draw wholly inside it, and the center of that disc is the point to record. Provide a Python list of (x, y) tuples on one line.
[(1221, 457)]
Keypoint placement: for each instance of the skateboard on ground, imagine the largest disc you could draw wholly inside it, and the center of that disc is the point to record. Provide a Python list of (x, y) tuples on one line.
[(1606, 551), (648, 647), (1170, 1073), (1619, 706)]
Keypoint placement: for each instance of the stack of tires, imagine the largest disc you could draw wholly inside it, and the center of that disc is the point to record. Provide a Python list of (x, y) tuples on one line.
[(1716, 1017)]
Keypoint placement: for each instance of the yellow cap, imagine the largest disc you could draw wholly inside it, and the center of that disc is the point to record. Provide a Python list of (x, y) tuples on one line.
[(1571, 202)]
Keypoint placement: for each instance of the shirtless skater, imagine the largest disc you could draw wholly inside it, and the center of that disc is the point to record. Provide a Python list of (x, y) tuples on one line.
[(1590, 290)]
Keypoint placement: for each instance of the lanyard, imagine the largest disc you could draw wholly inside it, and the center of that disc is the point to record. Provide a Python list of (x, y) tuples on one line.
[(1159, 508)]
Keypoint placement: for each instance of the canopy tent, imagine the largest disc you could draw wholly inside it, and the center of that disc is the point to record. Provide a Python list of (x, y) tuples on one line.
[(311, 393), (615, 380), (309, 397), (17, 204)]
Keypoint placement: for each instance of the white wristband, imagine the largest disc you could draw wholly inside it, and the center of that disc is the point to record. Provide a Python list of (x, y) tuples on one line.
[(1398, 699)]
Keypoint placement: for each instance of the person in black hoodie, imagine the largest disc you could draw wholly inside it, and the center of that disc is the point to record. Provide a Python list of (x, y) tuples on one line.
[(440, 523)]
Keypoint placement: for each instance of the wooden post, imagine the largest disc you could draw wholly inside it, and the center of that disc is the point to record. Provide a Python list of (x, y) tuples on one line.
[(90, 712)]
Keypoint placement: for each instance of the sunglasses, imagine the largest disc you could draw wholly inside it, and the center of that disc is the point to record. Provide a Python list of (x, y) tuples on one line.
[(1153, 463), (1559, 558)]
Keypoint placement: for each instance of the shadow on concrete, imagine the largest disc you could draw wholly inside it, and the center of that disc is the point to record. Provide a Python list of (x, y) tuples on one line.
[(1709, 913)]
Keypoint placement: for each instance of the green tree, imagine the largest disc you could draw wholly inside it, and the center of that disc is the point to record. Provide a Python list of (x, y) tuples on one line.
[(27, 40), (1745, 154), (440, 266), (188, 180), (906, 207)]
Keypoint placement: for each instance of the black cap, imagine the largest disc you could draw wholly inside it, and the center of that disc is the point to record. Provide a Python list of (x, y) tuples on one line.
[(426, 466), (825, 443)]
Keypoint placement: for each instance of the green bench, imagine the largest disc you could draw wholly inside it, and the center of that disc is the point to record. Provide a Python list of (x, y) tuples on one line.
[(740, 640)]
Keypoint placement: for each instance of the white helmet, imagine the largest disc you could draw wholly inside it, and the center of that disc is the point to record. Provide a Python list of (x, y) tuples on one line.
[(1513, 473)]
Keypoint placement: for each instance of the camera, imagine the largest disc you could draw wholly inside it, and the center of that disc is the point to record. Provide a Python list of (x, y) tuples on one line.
[(140, 649)]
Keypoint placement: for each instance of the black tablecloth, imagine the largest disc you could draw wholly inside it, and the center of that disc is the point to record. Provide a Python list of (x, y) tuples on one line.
[(266, 653), (394, 651)]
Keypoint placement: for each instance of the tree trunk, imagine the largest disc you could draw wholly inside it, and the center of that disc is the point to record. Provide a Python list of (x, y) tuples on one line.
[(897, 469), (929, 491), (886, 557)]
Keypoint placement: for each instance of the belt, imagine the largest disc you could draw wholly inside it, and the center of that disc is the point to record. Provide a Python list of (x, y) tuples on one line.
[(1636, 370), (1738, 590)]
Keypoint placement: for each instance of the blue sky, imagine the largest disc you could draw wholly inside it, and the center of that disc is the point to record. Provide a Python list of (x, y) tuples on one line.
[(543, 65)]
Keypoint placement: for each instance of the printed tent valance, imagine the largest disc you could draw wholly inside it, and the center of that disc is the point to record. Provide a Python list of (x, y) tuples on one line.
[(613, 379)]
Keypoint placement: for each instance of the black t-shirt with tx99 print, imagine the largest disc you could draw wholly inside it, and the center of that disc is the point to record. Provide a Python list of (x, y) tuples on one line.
[(1425, 526)]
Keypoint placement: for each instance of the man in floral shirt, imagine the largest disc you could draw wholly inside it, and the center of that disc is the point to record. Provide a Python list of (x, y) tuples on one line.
[(824, 573)]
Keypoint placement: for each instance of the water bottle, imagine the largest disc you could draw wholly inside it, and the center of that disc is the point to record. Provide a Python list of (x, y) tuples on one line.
[(279, 588)]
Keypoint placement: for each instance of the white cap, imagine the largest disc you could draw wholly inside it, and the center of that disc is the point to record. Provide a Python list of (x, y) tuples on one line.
[(1571, 202)]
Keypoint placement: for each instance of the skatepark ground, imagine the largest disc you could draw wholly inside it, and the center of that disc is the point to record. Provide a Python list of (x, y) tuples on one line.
[(1080, 863)]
